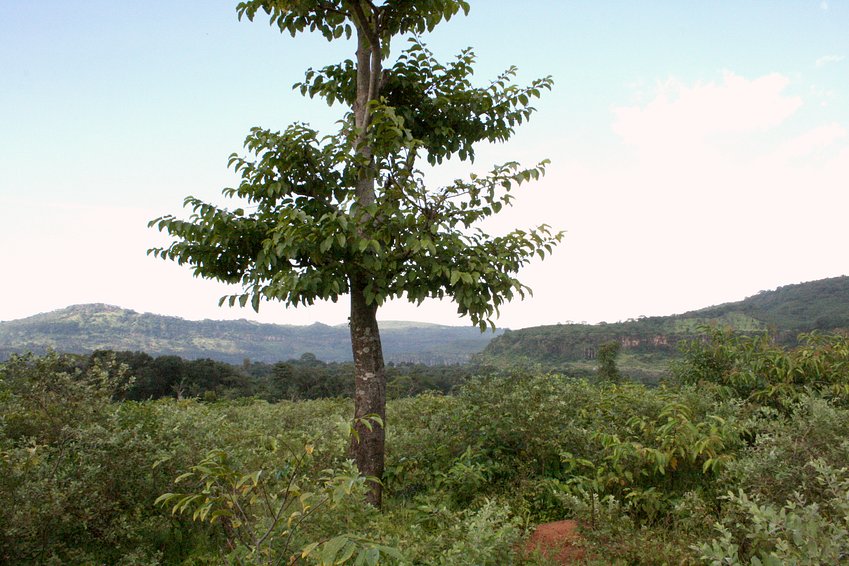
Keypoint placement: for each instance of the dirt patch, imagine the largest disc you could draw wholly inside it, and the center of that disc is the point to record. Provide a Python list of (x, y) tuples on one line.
[(556, 542)]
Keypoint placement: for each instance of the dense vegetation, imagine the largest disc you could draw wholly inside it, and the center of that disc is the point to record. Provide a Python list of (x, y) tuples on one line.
[(649, 344), (83, 329), (791, 309), (296, 379), (740, 459)]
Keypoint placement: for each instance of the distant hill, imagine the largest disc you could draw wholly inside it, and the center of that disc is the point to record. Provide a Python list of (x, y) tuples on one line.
[(648, 344), (816, 305), (84, 328)]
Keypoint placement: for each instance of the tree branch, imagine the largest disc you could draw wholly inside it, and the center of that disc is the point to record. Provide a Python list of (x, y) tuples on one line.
[(362, 22), (328, 7)]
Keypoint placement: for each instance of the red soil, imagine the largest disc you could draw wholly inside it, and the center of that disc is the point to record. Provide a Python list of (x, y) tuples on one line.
[(555, 541)]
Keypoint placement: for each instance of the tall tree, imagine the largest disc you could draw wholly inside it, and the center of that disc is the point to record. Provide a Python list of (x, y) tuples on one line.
[(607, 370), (350, 213)]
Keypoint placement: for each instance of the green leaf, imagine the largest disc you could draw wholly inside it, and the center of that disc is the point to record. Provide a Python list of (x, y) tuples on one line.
[(347, 552), (308, 549), (371, 556), (331, 549), (163, 499), (393, 552)]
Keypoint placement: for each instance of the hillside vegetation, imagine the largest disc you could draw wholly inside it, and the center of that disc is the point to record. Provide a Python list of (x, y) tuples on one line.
[(85, 328), (649, 344)]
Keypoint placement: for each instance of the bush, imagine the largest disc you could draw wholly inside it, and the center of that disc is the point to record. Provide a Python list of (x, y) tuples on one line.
[(641, 468), (758, 370), (798, 532), (76, 481), (777, 464)]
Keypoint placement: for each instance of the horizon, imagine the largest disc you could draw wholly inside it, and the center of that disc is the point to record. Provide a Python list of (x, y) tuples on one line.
[(421, 322), (694, 159)]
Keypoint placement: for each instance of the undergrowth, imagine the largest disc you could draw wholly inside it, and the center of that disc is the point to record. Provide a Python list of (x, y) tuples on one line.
[(742, 459)]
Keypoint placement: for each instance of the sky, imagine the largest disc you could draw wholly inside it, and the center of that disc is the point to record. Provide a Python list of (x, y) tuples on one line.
[(699, 150)]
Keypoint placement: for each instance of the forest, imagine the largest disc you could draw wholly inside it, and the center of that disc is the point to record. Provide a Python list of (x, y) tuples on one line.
[(306, 377)]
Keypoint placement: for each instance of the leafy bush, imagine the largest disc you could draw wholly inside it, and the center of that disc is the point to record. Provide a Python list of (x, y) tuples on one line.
[(777, 464), (75, 482), (78, 483), (798, 532), (548, 434), (265, 513), (422, 440), (654, 460), (760, 371), (43, 396), (641, 468), (482, 536), (432, 532)]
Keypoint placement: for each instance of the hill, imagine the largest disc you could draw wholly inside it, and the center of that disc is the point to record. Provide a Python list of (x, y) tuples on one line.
[(648, 344), (85, 328)]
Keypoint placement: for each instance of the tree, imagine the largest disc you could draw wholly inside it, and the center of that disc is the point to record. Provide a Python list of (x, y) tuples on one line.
[(350, 212), (607, 370)]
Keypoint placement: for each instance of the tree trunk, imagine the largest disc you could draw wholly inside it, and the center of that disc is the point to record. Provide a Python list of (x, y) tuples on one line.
[(368, 89), (367, 446)]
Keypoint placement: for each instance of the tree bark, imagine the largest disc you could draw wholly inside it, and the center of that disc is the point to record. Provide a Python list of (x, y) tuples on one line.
[(367, 446), (369, 69)]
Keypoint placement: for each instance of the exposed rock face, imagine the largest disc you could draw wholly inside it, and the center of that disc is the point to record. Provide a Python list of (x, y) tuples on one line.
[(658, 341)]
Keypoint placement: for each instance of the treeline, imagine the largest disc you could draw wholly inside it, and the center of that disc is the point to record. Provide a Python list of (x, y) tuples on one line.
[(147, 377)]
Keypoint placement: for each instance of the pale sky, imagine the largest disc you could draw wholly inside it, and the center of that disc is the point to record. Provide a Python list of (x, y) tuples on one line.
[(699, 149)]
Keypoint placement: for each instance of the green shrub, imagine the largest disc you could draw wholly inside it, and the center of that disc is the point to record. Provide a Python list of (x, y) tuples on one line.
[(641, 468), (541, 434), (615, 537), (76, 482), (798, 532), (421, 442), (652, 461), (430, 532), (265, 514), (776, 465), (760, 371)]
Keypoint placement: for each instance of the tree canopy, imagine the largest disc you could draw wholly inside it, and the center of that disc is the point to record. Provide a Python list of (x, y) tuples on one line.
[(300, 234)]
